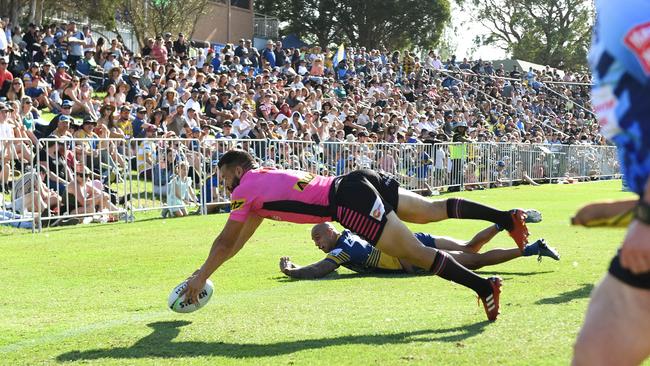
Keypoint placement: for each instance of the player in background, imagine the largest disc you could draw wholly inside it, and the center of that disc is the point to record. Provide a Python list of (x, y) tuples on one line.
[(364, 201), (616, 330), (350, 251)]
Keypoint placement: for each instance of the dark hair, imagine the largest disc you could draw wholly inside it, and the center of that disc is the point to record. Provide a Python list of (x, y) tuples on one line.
[(235, 158)]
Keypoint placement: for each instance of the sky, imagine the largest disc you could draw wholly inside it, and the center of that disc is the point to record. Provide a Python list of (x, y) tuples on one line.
[(464, 38)]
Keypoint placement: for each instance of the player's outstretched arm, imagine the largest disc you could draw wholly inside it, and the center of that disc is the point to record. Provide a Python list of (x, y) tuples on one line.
[(221, 250), (251, 224), (606, 213), (316, 270)]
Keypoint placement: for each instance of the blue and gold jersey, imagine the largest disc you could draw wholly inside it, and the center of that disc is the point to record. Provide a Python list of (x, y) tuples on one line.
[(358, 255)]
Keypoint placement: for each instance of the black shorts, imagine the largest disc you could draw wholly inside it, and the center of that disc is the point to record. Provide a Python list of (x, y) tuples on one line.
[(361, 200), (635, 280)]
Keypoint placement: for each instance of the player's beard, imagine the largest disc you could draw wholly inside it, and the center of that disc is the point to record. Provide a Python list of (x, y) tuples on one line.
[(235, 183)]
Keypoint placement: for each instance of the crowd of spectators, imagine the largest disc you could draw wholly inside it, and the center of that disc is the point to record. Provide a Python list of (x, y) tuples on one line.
[(198, 97)]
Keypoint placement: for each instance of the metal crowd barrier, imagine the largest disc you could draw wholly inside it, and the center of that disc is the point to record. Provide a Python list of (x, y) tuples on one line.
[(20, 204), (102, 180)]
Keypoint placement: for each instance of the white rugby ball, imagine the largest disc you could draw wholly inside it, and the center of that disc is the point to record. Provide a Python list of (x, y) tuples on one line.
[(180, 305)]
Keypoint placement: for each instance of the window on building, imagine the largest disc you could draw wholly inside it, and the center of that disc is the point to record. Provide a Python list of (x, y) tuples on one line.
[(245, 4)]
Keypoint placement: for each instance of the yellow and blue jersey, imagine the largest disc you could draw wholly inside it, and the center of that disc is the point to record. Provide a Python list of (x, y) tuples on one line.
[(358, 255)]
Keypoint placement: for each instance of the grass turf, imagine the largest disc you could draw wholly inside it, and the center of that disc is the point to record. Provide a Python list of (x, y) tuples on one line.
[(97, 294)]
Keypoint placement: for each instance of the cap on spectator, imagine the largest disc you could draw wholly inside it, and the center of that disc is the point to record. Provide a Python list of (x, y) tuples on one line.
[(89, 120), (459, 125), (350, 138), (363, 133), (134, 74), (270, 41), (501, 163), (76, 122), (227, 124), (62, 64), (196, 129), (66, 104), (142, 109), (3, 107), (125, 108), (167, 35)]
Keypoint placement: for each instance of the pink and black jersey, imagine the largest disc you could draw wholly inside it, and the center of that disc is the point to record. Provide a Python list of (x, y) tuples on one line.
[(283, 195)]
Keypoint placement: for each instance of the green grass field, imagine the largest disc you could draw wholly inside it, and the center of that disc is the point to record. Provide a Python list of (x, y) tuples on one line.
[(98, 293)]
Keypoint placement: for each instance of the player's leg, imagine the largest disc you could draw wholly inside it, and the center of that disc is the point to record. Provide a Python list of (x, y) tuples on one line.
[(617, 326), (489, 258), (360, 208), (448, 244), (398, 241), (414, 208), (481, 238)]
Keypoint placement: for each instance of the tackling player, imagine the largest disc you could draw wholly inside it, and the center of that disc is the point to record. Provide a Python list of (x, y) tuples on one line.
[(350, 251), (366, 202), (616, 330)]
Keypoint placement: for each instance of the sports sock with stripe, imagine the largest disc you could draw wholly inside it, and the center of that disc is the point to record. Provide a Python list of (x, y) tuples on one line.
[(445, 266), (458, 208)]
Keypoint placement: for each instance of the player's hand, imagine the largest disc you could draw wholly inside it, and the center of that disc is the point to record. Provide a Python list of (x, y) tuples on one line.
[(195, 285), (635, 252), (285, 263)]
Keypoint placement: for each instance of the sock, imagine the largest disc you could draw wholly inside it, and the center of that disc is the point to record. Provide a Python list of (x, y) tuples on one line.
[(458, 208), (531, 249), (446, 267)]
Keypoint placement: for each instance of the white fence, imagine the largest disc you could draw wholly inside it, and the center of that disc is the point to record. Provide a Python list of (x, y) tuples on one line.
[(104, 180)]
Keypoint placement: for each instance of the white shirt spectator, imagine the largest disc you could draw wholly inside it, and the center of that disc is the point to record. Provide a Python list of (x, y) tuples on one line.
[(108, 65), (3, 40), (242, 127), (297, 85), (426, 125)]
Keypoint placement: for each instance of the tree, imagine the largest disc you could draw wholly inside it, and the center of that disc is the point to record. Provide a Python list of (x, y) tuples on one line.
[(394, 23), (547, 32), (147, 18), (372, 24), (311, 20)]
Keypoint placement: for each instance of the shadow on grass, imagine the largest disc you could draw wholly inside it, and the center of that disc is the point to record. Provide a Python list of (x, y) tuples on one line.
[(159, 344), (522, 274), (344, 276), (580, 293)]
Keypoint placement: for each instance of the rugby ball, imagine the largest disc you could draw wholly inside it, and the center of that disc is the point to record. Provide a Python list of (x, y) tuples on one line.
[(178, 303)]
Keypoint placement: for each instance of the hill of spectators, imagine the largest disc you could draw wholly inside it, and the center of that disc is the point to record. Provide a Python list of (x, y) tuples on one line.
[(173, 89)]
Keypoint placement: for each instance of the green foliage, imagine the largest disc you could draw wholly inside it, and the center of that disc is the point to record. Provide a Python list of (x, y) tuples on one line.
[(96, 294), (147, 18), (548, 32), (372, 24)]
